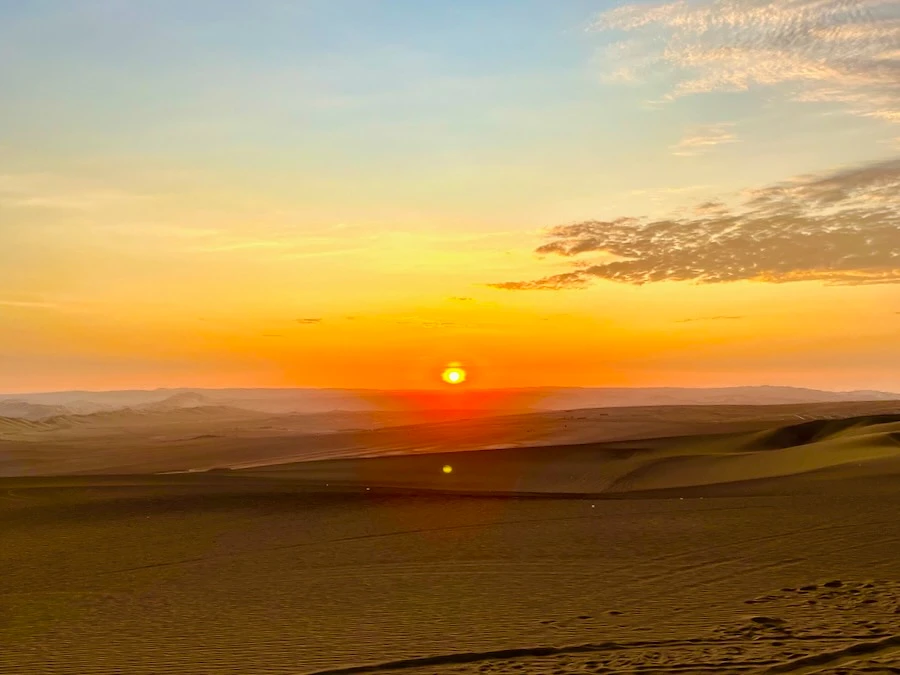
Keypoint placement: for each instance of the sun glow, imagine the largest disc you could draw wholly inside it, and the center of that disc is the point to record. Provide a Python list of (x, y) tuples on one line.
[(454, 374)]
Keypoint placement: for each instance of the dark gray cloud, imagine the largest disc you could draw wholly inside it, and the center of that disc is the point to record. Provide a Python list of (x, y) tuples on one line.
[(309, 322), (842, 228)]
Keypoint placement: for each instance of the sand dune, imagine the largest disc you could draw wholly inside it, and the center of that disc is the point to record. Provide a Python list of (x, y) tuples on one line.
[(690, 539), (29, 411), (209, 437), (867, 444), (770, 549)]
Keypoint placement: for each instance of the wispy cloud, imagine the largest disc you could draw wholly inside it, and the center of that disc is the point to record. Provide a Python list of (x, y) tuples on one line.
[(704, 139), (834, 51), (247, 244), (48, 191), (657, 194), (709, 318), (25, 304), (841, 228), (309, 321), (61, 305), (425, 323)]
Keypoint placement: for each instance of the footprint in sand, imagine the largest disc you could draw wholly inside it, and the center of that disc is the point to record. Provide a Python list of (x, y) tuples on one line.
[(853, 627)]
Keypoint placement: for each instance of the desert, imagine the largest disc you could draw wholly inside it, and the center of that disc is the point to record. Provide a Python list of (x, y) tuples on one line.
[(617, 540)]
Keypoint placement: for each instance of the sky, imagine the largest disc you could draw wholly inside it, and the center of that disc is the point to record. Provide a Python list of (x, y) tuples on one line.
[(354, 193)]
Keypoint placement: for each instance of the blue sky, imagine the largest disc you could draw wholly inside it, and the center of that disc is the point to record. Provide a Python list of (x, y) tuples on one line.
[(399, 85)]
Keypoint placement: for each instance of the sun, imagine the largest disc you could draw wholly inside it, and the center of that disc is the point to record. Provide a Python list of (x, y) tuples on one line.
[(454, 373)]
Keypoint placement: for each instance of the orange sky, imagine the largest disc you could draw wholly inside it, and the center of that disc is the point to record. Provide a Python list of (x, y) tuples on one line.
[(608, 335), (270, 197)]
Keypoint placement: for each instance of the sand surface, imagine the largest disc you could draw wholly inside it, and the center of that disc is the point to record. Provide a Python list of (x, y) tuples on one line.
[(196, 576), (762, 551)]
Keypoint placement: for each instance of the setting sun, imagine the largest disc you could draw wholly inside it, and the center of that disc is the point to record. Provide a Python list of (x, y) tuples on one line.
[(454, 374)]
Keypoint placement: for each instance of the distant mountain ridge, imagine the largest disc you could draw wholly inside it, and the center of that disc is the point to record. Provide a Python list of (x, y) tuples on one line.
[(24, 409), (45, 405), (187, 399)]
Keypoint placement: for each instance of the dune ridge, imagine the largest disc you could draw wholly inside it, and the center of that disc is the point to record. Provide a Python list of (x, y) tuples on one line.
[(867, 445)]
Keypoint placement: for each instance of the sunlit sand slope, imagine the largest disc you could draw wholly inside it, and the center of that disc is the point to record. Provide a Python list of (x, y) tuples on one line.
[(825, 448)]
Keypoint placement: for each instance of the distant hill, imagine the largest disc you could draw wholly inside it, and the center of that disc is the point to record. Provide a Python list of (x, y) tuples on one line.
[(180, 401), (27, 410), (123, 417), (30, 411), (562, 399), (37, 411)]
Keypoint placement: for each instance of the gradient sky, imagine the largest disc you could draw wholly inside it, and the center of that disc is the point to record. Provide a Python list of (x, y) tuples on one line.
[(352, 193)]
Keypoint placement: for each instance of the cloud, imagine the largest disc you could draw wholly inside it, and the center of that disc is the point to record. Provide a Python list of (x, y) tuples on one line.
[(841, 228), (66, 305), (310, 321), (457, 298), (48, 191), (25, 304), (710, 318), (831, 51), (425, 324), (656, 193), (704, 139), (556, 282), (248, 244)]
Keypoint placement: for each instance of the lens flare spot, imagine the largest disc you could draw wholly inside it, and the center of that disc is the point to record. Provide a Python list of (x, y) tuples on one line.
[(454, 374), (447, 468)]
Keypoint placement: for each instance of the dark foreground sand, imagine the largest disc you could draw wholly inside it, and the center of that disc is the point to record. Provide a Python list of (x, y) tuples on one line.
[(385, 566)]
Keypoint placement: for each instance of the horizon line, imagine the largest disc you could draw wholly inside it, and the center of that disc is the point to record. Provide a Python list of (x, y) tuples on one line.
[(448, 389)]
